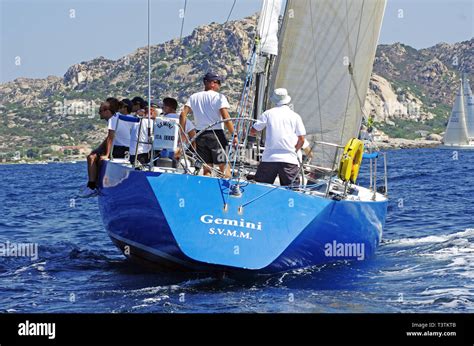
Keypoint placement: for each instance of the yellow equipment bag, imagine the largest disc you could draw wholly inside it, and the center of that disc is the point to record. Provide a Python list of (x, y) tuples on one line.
[(351, 160)]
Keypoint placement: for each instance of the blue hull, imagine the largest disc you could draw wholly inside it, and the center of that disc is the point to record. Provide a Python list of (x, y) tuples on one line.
[(193, 223)]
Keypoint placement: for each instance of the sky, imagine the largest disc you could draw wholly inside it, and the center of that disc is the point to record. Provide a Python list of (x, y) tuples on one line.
[(44, 37)]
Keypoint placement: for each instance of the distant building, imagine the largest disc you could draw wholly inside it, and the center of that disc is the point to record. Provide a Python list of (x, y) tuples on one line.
[(16, 156), (379, 136), (422, 133), (74, 149)]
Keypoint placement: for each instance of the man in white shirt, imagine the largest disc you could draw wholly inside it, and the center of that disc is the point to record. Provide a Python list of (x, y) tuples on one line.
[(285, 133), (107, 111), (170, 105), (120, 131), (142, 132), (209, 107)]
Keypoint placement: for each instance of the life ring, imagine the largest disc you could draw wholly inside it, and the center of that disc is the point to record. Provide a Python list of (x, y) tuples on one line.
[(351, 160)]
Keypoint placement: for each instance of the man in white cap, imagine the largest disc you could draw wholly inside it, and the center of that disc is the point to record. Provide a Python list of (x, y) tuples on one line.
[(209, 107), (285, 133)]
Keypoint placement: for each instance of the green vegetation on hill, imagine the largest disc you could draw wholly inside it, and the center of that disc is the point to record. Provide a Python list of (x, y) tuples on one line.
[(409, 129)]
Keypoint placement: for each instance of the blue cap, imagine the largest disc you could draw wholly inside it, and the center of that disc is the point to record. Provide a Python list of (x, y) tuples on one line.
[(212, 76)]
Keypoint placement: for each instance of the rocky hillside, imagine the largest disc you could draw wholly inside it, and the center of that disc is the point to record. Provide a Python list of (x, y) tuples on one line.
[(419, 84), (410, 89), (433, 70), (41, 112)]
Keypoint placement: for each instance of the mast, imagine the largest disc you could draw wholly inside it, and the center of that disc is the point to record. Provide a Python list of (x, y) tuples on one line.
[(150, 139)]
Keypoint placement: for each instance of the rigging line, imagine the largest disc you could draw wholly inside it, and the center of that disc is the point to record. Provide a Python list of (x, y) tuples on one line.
[(245, 129), (243, 98), (227, 164), (258, 197), (243, 108), (355, 57), (183, 146), (150, 137), (193, 152), (316, 70), (230, 13), (351, 67), (361, 104), (275, 187), (227, 161), (287, 187), (209, 127), (244, 103)]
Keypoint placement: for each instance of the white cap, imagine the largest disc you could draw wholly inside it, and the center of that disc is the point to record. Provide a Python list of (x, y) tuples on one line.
[(280, 97)]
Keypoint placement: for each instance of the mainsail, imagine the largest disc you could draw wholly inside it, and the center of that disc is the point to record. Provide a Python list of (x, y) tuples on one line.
[(456, 132), (468, 108), (327, 49)]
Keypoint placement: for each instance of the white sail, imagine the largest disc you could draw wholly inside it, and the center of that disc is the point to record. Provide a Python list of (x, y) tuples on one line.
[(456, 132), (468, 108), (268, 26), (327, 50)]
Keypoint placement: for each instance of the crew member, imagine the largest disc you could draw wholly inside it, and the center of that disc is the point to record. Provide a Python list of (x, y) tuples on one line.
[(209, 107), (285, 136)]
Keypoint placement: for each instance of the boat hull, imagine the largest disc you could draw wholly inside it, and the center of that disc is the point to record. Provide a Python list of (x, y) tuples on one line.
[(194, 223)]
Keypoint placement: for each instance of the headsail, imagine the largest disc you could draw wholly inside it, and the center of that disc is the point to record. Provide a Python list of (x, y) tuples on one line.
[(267, 30), (327, 49), (456, 132), (268, 26), (468, 108)]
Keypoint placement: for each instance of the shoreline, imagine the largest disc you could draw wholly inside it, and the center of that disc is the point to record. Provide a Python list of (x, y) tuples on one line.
[(390, 144), (402, 143), (39, 162)]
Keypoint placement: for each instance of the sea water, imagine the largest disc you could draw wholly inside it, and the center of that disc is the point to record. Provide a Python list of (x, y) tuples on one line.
[(425, 262)]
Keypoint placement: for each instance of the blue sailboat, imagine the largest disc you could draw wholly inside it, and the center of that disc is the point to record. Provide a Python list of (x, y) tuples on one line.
[(174, 218)]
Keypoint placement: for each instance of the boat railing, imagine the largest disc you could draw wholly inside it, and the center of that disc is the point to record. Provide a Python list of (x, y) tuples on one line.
[(373, 157), (329, 173), (210, 126), (242, 128), (373, 164)]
